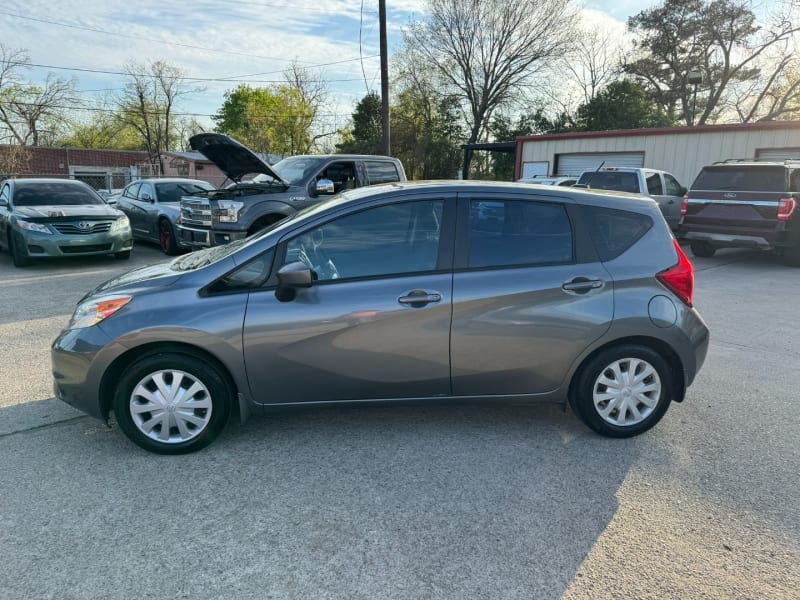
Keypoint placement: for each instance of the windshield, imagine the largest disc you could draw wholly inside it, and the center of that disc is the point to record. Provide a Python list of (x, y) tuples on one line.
[(610, 180), (297, 169), (172, 191), (58, 193), (740, 178)]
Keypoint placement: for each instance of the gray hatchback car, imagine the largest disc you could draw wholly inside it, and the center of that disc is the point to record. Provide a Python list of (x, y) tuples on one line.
[(398, 293)]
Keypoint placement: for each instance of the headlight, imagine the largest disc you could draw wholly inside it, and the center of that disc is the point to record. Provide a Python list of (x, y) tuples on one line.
[(227, 211), (41, 228), (121, 224), (94, 310)]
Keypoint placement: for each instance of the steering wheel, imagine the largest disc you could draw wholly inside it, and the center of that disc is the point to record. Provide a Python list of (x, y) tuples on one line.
[(316, 258)]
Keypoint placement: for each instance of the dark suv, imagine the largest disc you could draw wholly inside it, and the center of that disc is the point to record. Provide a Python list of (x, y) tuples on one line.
[(744, 204)]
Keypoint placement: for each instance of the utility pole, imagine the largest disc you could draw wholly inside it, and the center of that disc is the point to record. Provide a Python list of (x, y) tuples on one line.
[(384, 79)]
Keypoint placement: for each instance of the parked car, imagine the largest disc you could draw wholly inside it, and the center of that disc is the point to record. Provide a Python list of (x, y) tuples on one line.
[(564, 181), (276, 192), (661, 186), (110, 196), (153, 206), (378, 295), (59, 217), (744, 204)]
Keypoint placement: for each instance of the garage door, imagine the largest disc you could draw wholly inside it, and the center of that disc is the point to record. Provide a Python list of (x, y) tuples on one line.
[(575, 164), (777, 154)]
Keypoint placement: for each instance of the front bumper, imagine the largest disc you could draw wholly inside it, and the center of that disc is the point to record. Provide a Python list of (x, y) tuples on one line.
[(39, 244), (203, 238)]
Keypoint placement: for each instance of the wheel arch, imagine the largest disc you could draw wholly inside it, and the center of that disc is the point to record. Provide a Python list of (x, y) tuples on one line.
[(659, 346), (265, 221), (117, 367)]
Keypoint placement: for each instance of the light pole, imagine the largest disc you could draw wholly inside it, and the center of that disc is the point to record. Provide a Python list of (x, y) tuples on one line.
[(694, 77)]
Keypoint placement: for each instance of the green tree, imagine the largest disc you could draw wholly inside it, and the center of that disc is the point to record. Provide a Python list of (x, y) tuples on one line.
[(273, 120), (104, 130), (622, 105), (742, 62), (365, 135)]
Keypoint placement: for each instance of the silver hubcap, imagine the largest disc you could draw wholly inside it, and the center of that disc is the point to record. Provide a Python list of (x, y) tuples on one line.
[(627, 391), (170, 406)]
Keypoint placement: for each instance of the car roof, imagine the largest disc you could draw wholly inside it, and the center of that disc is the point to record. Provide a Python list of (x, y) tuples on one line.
[(167, 180)]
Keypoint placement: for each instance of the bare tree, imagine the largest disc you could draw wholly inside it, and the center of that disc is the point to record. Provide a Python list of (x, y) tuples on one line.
[(594, 60), (148, 104), (487, 49), (30, 113), (314, 93), (14, 160)]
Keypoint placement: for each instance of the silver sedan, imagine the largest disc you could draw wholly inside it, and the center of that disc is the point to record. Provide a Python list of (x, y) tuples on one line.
[(153, 207)]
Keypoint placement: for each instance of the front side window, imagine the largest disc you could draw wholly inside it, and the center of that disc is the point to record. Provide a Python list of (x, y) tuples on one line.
[(382, 241), (506, 233), (672, 186), (146, 192), (4, 194), (131, 190), (654, 187)]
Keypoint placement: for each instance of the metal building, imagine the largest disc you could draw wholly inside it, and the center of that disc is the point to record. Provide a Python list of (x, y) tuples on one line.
[(680, 150)]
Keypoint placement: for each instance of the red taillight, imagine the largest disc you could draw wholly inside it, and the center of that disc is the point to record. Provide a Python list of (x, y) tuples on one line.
[(684, 204), (679, 279), (786, 208)]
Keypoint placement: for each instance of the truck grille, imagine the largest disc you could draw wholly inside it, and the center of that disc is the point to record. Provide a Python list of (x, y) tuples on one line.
[(196, 211), (82, 227)]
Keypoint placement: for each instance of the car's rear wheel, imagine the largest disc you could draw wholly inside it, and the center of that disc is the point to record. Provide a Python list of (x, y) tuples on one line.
[(622, 391), (166, 238), (172, 403), (702, 249), (16, 247)]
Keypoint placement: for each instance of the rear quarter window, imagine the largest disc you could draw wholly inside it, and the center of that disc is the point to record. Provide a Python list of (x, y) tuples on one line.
[(614, 231), (381, 172)]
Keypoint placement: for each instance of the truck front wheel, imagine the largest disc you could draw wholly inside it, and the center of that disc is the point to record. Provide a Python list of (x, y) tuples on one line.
[(265, 222)]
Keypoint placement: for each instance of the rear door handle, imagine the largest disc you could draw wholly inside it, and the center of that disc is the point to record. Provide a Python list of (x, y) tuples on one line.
[(582, 285), (419, 298)]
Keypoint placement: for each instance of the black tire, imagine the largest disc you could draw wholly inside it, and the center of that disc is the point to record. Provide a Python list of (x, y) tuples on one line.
[(166, 238), (702, 249), (587, 381), (124, 255), (199, 428), (16, 248)]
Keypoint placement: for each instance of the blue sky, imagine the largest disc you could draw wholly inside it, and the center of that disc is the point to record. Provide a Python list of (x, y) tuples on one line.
[(222, 39)]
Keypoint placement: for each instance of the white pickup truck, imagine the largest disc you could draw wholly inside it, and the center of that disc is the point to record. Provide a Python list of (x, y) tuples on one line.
[(659, 185)]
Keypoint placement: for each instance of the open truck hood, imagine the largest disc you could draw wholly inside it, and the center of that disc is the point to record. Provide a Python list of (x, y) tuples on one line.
[(233, 158)]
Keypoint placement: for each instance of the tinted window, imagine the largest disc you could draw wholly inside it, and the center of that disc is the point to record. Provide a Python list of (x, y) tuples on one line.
[(614, 231), (173, 191), (742, 178), (56, 192), (654, 186), (381, 171), (387, 240), (611, 180), (517, 232), (673, 188)]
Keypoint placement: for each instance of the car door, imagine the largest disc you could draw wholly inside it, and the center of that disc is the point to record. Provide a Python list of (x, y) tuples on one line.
[(529, 295), (376, 322), (146, 211), (674, 191), (5, 213), (127, 202), (670, 205)]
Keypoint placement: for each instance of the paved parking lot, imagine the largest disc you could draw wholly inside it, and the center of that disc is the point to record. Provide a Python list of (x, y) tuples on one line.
[(433, 502)]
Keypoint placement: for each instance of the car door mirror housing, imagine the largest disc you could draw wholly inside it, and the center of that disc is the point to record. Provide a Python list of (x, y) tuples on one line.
[(324, 186), (295, 275), (146, 197)]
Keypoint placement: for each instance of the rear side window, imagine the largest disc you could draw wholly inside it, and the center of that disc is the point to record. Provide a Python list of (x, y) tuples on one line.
[(505, 233), (614, 231), (742, 178), (654, 186), (381, 171)]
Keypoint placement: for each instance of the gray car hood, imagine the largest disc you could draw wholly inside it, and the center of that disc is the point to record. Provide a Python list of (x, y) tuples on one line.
[(232, 158), (56, 211)]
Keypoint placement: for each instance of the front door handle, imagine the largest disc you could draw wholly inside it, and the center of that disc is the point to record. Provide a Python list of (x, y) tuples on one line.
[(582, 285), (419, 298)]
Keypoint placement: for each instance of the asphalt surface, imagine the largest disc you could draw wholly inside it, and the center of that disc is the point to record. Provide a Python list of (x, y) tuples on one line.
[(408, 502)]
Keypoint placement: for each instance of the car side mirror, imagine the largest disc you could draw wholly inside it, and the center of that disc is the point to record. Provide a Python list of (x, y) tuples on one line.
[(324, 186), (146, 197), (684, 191), (292, 277)]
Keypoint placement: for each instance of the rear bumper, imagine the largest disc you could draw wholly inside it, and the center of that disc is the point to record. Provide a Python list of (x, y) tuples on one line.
[(763, 239)]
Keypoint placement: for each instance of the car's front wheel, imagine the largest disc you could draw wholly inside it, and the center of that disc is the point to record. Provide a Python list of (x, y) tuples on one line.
[(16, 247), (172, 403), (166, 238), (622, 391)]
